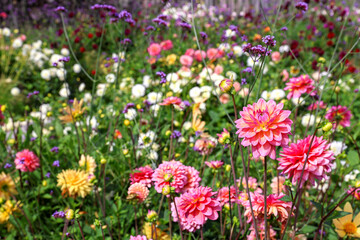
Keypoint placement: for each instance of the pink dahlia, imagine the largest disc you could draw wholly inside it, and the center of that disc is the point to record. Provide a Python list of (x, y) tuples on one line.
[(214, 53), (173, 174), (154, 49), (204, 146), (299, 86), (261, 229), (193, 179), (214, 164), (274, 206), (356, 193), (277, 185), (253, 184), (340, 115), (138, 191), (138, 237), (264, 126), (26, 161), (226, 195), (186, 60), (142, 175), (319, 162), (166, 45), (171, 101), (195, 208), (315, 105)]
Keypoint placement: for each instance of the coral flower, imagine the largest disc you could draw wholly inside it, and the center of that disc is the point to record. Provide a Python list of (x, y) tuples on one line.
[(88, 163), (261, 229), (175, 101), (340, 115), (73, 114), (154, 49), (138, 237), (214, 53), (204, 146), (319, 161), (274, 206), (214, 164), (199, 55), (7, 186), (264, 126), (277, 185), (27, 161), (195, 208), (138, 191), (226, 195), (142, 175), (172, 174), (300, 85), (253, 184), (347, 226), (74, 183), (315, 105)]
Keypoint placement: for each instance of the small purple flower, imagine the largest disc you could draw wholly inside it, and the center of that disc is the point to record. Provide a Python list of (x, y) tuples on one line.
[(176, 134), (36, 93), (48, 174), (129, 105), (244, 38), (124, 14), (126, 41), (55, 149), (243, 81), (64, 59), (248, 70), (269, 40), (56, 163), (185, 25), (186, 103), (32, 139), (22, 160), (159, 22), (7, 165), (54, 64), (57, 214), (247, 47), (203, 35), (60, 9), (104, 7), (230, 54), (149, 28), (162, 76), (130, 21), (284, 29), (356, 90), (163, 17), (303, 6)]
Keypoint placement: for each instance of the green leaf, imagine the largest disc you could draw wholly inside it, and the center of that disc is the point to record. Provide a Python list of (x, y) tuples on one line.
[(307, 229), (286, 198), (353, 158)]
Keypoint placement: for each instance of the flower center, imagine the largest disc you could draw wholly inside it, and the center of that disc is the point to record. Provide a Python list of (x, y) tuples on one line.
[(350, 228), (263, 119)]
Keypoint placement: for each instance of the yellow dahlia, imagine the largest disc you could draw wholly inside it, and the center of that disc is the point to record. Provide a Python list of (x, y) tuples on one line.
[(7, 209), (159, 233), (72, 114), (348, 226), (7, 186), (87, 163), (74, 183)]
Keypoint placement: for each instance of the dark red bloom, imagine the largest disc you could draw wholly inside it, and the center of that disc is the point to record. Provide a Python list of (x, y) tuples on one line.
[(93, 72), (82, 49), (330, 35), (77, 40), (90, 35)]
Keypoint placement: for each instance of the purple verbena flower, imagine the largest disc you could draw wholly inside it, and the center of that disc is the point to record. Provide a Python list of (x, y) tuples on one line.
[(60, 9), (57, 214), (7, 165), (55, 149), (303, 6), (176, 134), (56, 163), (269, 40)]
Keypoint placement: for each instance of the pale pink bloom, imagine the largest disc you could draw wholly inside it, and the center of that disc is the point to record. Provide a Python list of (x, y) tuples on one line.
[(166, 45), (171, 101), (214, 53), (190, 52), (315, 105), (261, 229), (253, 184), (154, 49), (225, 196), (264, 126), (237, 86), (244, 92), (173, 174), (214, 164), (204, 146), (277, 185), (199, 56), (285, 75), (339, 115), (186, 60), (300, 85), (26, 161), (218, 69), (138, 191), (224, 98), (319, 162), (193, 179), (138, 237), (275, 56), (274, 206), (142, 175), (23, 37), (195, 207)]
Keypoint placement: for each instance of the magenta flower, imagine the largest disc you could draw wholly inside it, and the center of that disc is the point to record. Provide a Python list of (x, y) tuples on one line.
[(142, 175), (214, 164), (138, 237), (300, 85), (264, 126), (193, 179), (340, 115), (26, 161), (195, 208), (319, 162)]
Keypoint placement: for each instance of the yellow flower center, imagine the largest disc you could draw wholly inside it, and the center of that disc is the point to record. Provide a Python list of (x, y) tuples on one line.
[(350, 228)]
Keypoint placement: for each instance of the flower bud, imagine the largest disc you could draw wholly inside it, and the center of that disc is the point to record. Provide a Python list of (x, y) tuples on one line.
[(224, 137), (103, 161), (69, 214), (125, 151), (226, 85), (327, 127), (227, 167), (152, 216), (166, 190), (44, 183), (126, 123), (167, 177)]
